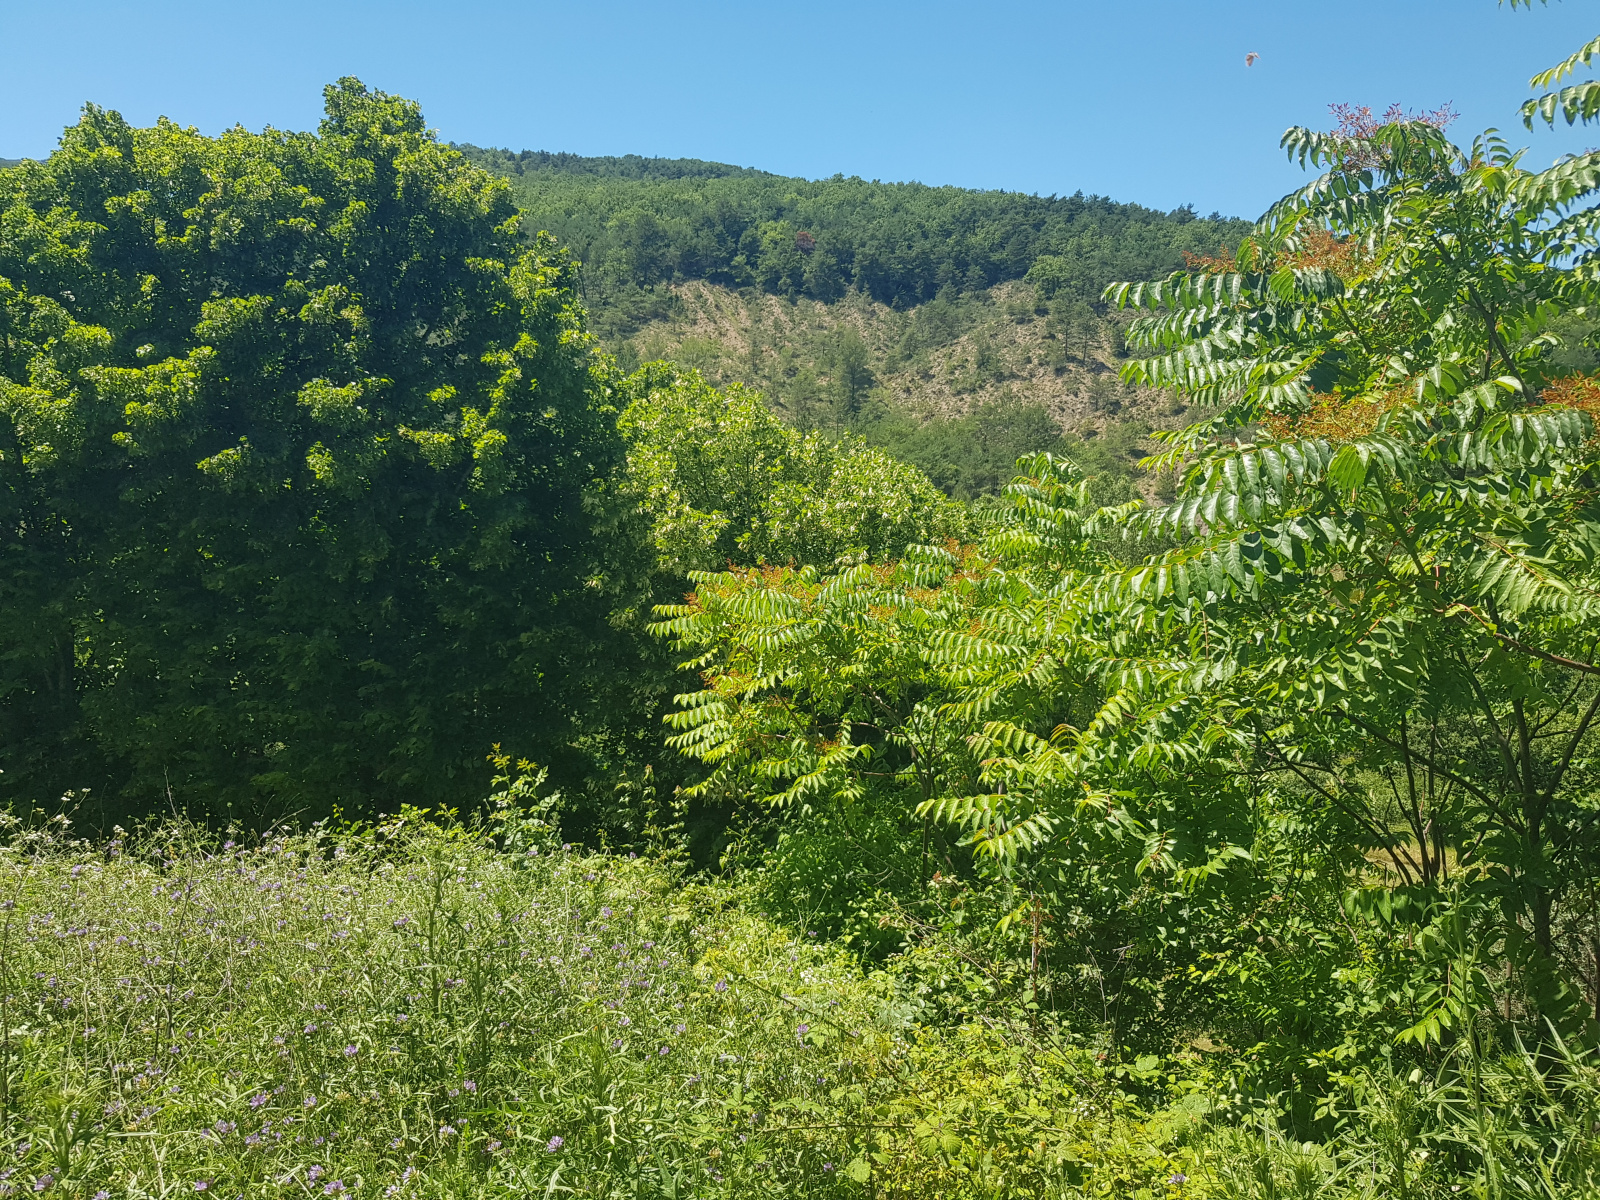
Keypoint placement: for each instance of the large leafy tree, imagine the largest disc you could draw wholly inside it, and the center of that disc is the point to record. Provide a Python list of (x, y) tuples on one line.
[(303, 456)]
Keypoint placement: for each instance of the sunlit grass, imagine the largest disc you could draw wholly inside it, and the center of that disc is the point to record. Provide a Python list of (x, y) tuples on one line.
[(402, 1011), (418, 1010)]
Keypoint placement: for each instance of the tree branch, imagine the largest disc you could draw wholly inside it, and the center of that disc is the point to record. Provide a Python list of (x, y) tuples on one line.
[(1488, 802), (1488, 627), (1572, 746)]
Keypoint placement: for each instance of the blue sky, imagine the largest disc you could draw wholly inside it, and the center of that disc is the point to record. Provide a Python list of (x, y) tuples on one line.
[(1143, 100)]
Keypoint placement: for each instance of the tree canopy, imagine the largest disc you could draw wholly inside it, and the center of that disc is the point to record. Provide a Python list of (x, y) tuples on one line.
[(1347, 677), (724, 482), (303, 464), (1270, 812)]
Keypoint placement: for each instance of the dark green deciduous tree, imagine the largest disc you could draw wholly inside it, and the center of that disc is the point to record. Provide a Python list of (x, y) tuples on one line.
[(304, 458)]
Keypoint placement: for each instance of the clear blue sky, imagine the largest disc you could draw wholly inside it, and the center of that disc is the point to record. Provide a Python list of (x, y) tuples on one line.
[(1144, 100)]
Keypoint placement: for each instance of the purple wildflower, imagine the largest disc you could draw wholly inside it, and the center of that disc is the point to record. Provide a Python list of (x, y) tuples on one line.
[(555, 1143), (314, 1173), (349, 1051)]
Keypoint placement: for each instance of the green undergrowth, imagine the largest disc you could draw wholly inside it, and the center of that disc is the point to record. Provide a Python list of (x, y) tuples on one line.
[(432, 1009)]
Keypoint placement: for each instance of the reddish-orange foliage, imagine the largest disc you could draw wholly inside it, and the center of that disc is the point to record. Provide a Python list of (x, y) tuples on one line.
[(1357, 125), (1320, 249), (1581, 392), (1342, 418), (1334, 416), (1357, 121), (1246, 258), (1211, 264)]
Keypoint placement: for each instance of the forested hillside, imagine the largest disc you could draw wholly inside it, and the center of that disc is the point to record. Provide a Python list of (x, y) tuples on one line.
[(640, 222), (956, 328), (960, 386), (444, 756)]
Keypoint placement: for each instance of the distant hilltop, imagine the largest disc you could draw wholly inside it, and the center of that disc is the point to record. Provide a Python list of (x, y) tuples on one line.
[(611, 166)]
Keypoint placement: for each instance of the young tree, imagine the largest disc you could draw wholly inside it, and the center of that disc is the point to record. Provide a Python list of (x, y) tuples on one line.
[(852, 376), (1391, 528)]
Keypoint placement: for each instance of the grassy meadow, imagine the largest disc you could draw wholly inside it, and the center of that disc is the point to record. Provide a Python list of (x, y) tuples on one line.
[(415, 1009), (432, 1009)]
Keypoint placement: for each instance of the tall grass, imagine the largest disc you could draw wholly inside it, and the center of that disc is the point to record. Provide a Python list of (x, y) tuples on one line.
[(423, 1010), (409, 1011)]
